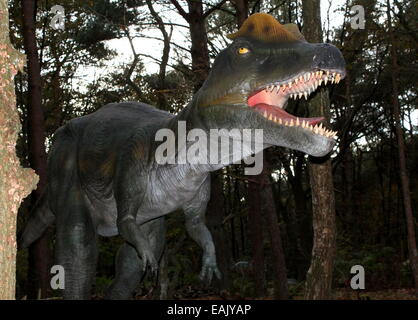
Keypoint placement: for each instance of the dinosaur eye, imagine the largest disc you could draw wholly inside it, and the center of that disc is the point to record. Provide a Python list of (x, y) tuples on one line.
[(243, 50)]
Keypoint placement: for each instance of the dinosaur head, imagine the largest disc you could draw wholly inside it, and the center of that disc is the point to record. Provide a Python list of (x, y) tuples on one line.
[(252, 79)]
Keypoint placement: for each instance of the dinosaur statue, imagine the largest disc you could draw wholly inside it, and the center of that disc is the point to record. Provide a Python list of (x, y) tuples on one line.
[(102, 170)]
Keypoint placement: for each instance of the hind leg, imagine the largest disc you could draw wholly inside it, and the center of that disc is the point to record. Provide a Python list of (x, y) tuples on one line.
[(129, 267), (76, 248)]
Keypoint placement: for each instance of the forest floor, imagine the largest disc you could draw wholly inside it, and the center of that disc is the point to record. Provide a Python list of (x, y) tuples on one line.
[(390, 294), (339, 294)]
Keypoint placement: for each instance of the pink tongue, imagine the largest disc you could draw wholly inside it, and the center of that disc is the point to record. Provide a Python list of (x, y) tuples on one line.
[(280, 113), (268, 100), (264, 97)]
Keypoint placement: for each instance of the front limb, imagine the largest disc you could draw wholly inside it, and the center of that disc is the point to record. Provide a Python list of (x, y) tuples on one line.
[(129, 194), (131, 232), (196, 227)]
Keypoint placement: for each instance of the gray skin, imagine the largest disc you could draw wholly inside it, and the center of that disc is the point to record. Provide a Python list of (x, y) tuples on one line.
[(104, 180)]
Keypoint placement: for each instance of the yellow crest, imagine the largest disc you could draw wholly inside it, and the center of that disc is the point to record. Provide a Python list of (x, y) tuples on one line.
[(264, 27)]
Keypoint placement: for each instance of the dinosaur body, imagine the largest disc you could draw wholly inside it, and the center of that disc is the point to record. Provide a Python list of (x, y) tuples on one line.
[(104, 178)]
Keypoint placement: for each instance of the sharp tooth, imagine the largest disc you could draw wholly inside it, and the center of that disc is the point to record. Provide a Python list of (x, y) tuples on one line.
[(265, 114), (297, 122), (300, 95), (316, 84), (306, 95), (296, 80), (333, 74), (290, 84), (327, 73), (308, 76), (301, 78), (326, 80), (291, 122), (275, 119), (319, 82), (270, 117), (280, 120), (321, 73), (284, 122)]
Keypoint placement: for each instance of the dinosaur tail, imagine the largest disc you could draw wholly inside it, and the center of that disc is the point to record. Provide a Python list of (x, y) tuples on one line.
[(38, 222)]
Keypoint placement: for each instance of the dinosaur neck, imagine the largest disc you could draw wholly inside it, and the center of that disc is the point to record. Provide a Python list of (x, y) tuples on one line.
[(198, 148), (184, 127)]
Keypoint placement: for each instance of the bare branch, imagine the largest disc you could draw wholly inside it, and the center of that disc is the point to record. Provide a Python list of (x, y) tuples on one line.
[(181, 11), (215, 7), (159, 39), (134, 63), (159, 61)]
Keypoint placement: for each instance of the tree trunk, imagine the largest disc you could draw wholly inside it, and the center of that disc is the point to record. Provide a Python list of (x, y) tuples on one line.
[(319, 276), (241, 8), (38, 251), (200, 67), (303, 219), (406, 192), (254, 198), (281, 291), (199, 49), (15, 182), (256, 236), (215, 216), (162, 100)]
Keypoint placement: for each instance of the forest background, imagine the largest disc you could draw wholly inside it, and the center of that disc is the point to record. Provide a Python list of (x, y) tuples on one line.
[(266, 230)]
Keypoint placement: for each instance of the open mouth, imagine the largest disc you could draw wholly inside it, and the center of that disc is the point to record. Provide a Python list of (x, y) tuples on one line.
[(270, 100)]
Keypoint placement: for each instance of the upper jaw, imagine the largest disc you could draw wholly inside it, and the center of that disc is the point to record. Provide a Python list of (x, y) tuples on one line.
[(303, 84), (270, 99)]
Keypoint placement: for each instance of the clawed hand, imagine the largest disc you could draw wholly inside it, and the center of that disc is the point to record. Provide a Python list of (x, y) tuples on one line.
[(148, 258), (209, 268)]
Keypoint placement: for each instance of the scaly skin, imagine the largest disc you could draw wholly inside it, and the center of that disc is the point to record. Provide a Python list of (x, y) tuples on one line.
[(104, 178)]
